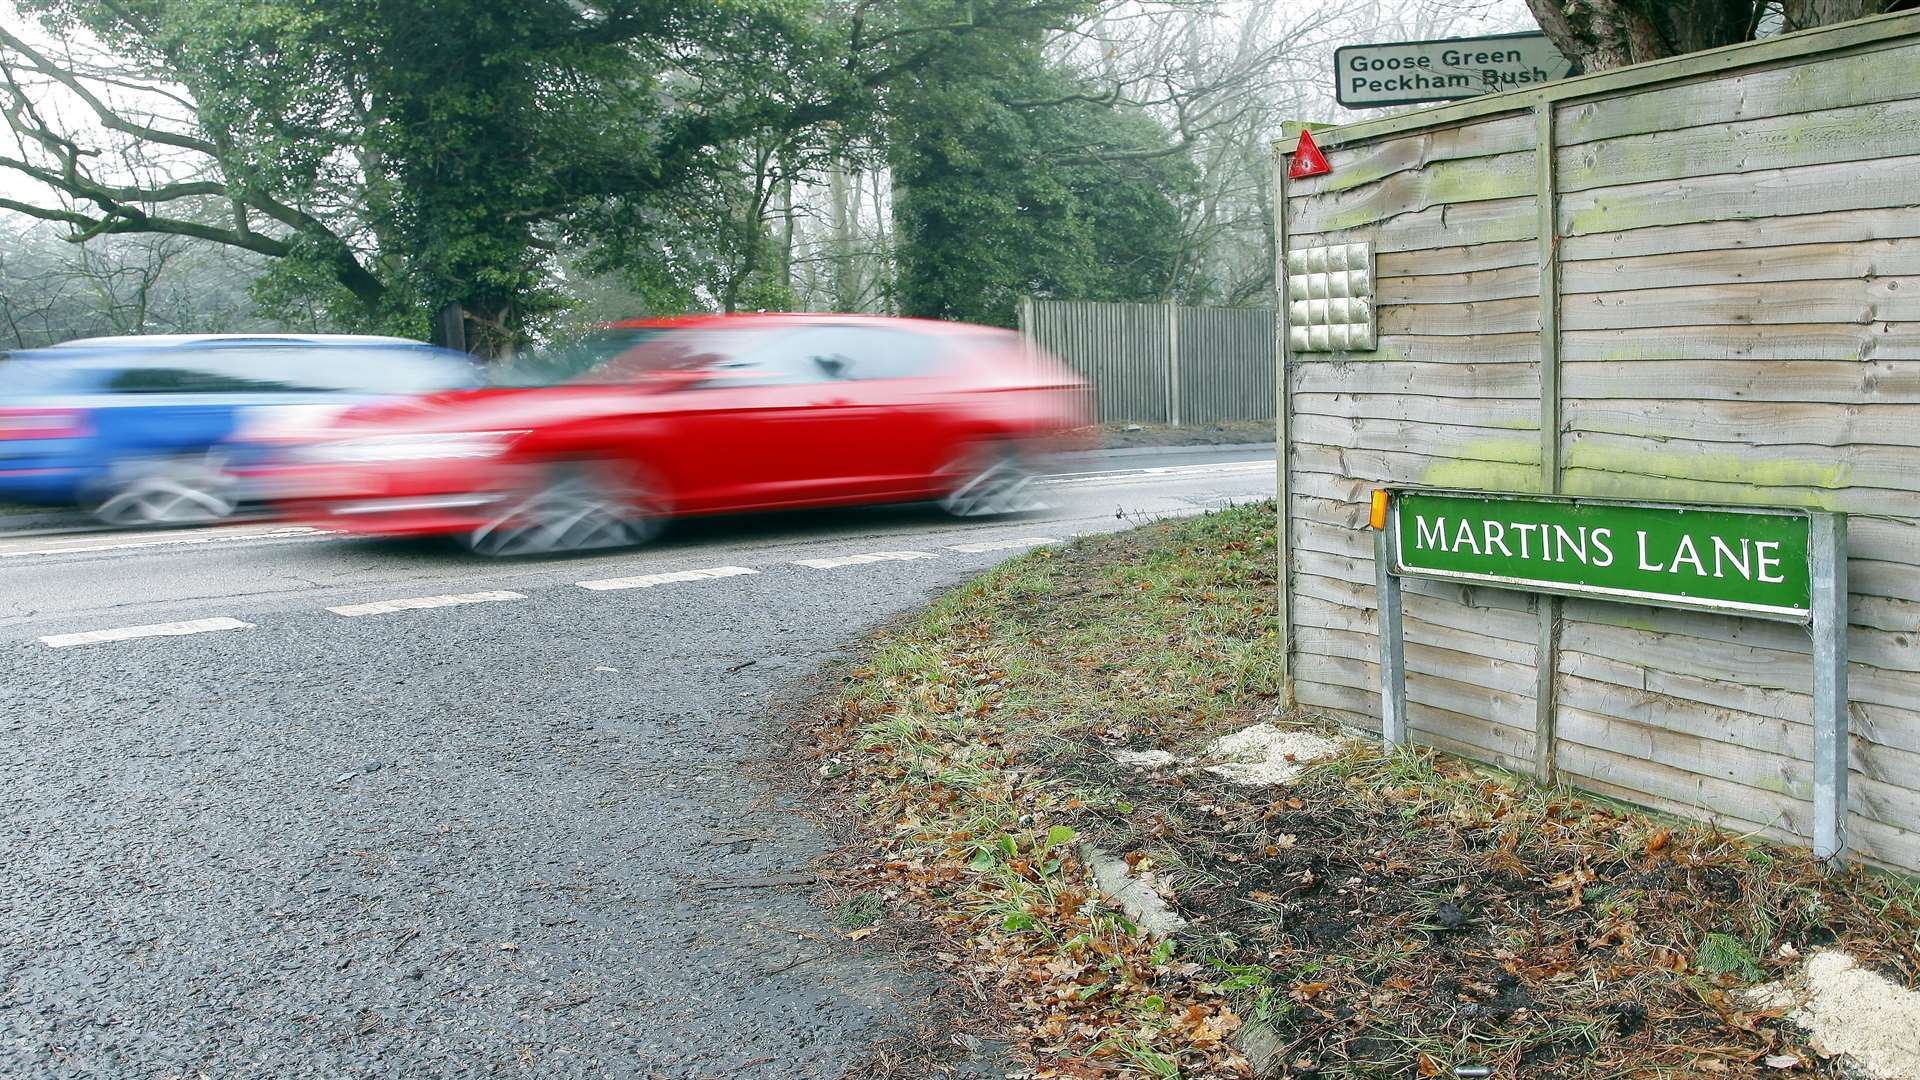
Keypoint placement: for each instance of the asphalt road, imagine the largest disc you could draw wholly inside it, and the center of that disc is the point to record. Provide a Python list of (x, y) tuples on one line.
[(506, 834)]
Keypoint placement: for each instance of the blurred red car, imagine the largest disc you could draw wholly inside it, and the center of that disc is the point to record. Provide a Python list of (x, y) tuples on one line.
[(700, 415)]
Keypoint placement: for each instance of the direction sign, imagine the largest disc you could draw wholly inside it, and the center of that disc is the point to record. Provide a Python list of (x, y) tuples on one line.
[(1759, 562), (1407, 72), (1740, 561)]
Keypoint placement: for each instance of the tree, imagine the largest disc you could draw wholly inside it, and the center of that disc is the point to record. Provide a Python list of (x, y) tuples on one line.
[(1012, 178), (1602, 34), (51, 291), (392, 157)]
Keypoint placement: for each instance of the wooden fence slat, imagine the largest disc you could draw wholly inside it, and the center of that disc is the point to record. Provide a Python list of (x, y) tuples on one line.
[(1796, 262), (1847, 185), (1802, 137), (1877, 75), (1829, 227), (1358, 166), (1452, 183), (1850, 301), (1838, 382)]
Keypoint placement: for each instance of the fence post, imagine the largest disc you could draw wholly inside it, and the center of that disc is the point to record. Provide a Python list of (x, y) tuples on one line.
[(1827, 534), (1547, 608), (1393, 655), (1283, 542), (1173, 364), (1026, 331)]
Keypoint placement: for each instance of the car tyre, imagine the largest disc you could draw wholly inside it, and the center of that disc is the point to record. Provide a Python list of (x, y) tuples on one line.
[(585, 506), (188, 491), (994, 481)]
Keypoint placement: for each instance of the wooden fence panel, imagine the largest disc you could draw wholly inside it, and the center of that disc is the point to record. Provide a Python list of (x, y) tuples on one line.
[(1735, 318), (1163, 364)]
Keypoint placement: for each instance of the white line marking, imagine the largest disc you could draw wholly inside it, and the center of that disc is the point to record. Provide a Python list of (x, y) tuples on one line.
[(416, 603), (165, 629), (85, 545), (1004, 545), (1108, 476), (648, 581), (869, 557)]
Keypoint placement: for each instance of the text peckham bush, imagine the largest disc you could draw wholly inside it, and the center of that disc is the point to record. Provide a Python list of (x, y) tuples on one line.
[(1753, 562), (1406, 72)]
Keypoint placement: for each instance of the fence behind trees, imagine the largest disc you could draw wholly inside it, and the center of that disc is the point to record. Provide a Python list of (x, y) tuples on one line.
[(1162, 363)]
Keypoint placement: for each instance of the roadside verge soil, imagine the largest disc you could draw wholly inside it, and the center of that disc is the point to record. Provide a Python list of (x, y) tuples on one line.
[(1376, 915)]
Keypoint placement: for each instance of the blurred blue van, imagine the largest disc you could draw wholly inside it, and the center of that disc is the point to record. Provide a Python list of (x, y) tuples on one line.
[(163, 429)]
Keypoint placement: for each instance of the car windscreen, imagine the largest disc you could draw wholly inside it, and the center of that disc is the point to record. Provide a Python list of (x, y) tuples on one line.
[(28, 374), (665, 349), (571, 358), (352, 369)]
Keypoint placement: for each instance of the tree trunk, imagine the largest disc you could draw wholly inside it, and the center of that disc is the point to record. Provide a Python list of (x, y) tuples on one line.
[(1806, 14), (1602, 34), (840, 195)]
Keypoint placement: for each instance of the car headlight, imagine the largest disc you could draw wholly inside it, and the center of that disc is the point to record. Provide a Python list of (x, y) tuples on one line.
[(439, 446)]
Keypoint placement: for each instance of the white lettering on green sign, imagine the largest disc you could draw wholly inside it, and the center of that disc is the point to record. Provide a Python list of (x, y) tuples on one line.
[(1714, 558)]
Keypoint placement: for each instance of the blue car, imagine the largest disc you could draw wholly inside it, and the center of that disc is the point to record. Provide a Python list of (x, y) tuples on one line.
[(164, 430)]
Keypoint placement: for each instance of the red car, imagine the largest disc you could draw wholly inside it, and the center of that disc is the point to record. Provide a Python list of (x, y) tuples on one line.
[(700, 415)]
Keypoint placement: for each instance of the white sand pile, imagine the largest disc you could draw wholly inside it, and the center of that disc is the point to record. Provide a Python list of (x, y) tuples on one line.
[(1264, 754), (1847, 1010), (1145, 759)]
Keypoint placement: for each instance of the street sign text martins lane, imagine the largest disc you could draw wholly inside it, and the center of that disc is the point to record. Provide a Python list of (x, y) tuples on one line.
[(1757, 562), (1742, 562), (1409, 72)]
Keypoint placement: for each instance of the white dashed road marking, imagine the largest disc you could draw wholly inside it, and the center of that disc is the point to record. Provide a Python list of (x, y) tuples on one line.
[(1003, 545), (166, 629), (1111, 476), (86, 545), (648, 581), (869, 557), (415, 603)]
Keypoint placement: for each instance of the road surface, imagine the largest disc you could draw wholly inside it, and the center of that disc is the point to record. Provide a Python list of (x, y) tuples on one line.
[(279, 803)]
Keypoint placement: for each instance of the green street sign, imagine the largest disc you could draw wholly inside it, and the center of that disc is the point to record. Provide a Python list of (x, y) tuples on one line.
[(1752, 562)]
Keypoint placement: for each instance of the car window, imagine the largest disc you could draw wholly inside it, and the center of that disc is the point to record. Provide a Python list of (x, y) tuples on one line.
[(24, 374), (359, 369), (292, 369), (581, 357), (179, 378), (867, 352), (687, 349)]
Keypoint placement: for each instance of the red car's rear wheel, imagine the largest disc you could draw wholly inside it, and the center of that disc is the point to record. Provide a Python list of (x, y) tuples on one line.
[(577, 506)]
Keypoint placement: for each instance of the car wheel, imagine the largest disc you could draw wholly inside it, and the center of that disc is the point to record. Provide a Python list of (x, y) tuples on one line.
[(578, 507), (993, 481), (173, 493)]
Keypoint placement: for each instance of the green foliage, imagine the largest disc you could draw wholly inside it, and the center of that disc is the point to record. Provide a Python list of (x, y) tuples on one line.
[(389, 157), (1723, 954), (1011, 179)]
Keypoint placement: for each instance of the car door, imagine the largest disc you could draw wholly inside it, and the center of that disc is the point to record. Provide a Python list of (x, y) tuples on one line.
[(876, 410), (746, 429), (162, 405)]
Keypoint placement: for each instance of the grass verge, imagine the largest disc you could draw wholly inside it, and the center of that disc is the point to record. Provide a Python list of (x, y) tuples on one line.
[(1384, 915)]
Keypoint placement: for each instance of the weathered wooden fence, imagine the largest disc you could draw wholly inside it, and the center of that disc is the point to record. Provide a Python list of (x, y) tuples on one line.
[(1162, 363), (1696, 280)]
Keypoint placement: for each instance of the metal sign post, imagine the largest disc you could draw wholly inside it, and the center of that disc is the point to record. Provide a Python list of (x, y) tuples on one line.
[(1782, 565)]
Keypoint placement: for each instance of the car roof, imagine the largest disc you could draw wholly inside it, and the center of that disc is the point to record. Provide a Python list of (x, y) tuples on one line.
[(777, 318), (174, 340)]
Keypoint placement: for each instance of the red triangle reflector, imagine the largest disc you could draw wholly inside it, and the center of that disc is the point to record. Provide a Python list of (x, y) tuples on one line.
[(1307, 159)]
